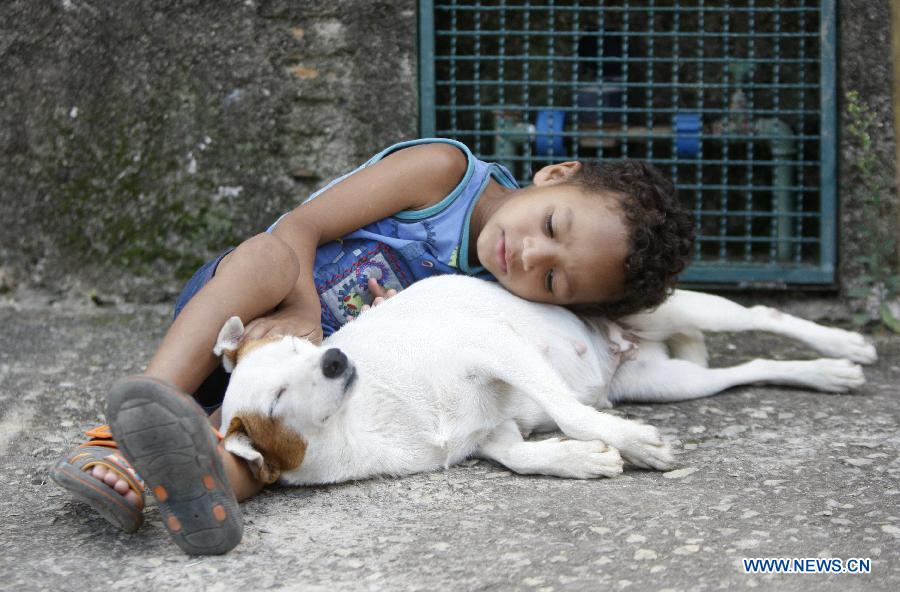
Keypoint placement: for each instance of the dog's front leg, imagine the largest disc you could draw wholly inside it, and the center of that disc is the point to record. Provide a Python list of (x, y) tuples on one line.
[(572, 459), (525, 370), (639, 444)]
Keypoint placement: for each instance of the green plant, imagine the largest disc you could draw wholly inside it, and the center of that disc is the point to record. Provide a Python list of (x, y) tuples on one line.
[(879, 285)]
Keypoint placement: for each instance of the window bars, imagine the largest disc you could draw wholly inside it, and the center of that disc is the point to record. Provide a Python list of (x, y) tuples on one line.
[(734, 99)]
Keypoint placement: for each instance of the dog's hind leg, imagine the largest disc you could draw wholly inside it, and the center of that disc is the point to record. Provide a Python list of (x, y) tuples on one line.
[(665, 380), (572, 459), (687, 312)]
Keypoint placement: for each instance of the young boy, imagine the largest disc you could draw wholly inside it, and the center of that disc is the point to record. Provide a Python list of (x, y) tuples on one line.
[(600, 238)]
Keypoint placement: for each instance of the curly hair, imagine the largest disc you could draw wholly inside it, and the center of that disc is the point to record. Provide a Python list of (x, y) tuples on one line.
[(661, 232)]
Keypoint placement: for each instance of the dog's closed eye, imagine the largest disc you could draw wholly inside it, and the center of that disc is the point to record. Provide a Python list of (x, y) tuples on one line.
[(275, 400)]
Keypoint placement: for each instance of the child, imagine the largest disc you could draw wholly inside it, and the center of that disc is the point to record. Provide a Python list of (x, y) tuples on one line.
[(601, 238)]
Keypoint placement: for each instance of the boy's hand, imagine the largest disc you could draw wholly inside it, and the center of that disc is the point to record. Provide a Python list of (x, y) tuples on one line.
[(380, 294), (284, 321)]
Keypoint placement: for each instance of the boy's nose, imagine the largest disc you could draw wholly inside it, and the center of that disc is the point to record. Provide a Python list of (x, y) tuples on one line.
[(534, 253)]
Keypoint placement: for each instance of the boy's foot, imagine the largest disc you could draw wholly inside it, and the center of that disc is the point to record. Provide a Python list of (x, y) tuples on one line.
[(167, 439), (96, 474)]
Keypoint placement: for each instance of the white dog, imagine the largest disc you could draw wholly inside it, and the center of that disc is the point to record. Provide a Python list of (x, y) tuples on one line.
[(455, 367)]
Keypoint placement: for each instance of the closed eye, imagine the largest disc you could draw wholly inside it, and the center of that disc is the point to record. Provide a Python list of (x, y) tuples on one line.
[(275, 400), (548, 225)]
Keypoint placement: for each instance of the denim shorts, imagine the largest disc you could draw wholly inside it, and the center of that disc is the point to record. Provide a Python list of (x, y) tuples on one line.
[(210, 394)]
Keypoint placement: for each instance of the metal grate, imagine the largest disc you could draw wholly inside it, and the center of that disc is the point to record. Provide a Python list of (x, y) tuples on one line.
[(734, 99)]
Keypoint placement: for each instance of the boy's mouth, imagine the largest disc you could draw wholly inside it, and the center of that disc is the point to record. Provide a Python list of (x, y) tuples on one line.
[(501, 252)]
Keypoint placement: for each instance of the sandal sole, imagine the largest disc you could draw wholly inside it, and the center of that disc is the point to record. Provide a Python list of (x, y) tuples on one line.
[(169, 442), (99, 496)]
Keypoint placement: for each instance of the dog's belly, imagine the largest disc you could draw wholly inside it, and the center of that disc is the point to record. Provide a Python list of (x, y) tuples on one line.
[(425, 398)]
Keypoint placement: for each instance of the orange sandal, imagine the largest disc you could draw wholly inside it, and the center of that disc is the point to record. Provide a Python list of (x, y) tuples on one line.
[(166, 436), (72, 474)]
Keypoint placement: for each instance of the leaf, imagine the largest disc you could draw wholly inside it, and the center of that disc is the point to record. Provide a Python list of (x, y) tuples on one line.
[(860, 319), (859, 292), (888, 318)]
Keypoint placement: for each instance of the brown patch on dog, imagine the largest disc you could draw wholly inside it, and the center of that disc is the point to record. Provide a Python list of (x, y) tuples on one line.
[(282, 449)]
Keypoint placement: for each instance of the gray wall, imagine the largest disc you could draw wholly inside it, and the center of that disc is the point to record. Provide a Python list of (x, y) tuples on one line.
[(139, 137), (865, 66)]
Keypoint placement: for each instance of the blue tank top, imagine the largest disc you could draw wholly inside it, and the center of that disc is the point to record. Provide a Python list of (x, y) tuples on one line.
[(403, 248)]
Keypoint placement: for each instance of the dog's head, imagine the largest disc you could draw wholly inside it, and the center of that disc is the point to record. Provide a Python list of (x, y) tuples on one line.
[(281, 389)]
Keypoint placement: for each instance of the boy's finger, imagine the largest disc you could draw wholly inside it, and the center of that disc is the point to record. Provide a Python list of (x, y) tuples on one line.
[(375, 287), (378, 301), (390, 293)]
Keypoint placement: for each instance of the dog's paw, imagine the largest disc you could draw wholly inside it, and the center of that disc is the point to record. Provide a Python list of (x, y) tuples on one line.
[(586, 459), (846, 344), (835, 376), (642, 446)]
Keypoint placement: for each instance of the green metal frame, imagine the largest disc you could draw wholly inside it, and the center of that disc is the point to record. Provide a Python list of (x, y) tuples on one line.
[(758, 76)]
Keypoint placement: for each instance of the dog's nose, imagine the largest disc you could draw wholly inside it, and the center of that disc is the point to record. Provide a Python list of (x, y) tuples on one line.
[(334, 363)]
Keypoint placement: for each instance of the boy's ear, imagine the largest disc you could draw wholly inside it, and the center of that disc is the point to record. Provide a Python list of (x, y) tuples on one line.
[(556, 173), (227, 342)]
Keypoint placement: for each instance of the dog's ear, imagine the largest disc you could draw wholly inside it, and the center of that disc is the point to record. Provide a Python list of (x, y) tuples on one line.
[(239, 443), (266, 444), (227, 342)]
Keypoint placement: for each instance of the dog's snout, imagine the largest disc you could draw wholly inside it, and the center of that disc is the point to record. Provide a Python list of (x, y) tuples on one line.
[(334, 363)]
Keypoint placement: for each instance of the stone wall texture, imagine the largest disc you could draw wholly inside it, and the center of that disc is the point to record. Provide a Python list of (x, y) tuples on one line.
[(138, 138), (865, 66)]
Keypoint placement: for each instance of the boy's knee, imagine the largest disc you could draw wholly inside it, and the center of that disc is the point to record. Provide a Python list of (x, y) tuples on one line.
[(267, 249), (266, 260)]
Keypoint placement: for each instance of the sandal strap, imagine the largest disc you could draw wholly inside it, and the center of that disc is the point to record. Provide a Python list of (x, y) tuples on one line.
[(101, 432), (85, 457), (106, 443), (100, 436)]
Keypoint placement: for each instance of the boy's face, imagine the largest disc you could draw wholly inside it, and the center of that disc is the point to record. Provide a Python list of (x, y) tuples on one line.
[(553, 243)]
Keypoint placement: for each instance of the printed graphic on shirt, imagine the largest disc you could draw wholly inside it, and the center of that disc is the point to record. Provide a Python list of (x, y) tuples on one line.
[(346, 290), (454, 258)]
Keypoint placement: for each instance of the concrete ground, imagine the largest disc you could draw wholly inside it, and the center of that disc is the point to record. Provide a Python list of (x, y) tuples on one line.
[(763, 472)]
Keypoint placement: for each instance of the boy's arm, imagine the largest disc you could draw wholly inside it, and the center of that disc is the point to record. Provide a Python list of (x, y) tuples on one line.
[(411, 178)]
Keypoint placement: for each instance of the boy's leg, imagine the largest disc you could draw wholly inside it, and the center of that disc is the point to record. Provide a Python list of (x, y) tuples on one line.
[(164, 433), (248, 282)]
